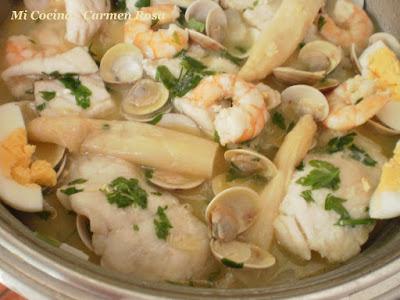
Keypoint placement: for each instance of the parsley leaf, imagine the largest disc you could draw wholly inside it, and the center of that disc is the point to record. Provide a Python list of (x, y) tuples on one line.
[(307, 195), (120, 5), (235, 173), (340, 143), (135, 227), (148, 173), (71, 191), (106, 126), (196, 25), (321, 22), (142, 3), (156, 119), (235, 60), (41, 107), (362, 156), (155, 21), (162, 224), (48, 95), (279, 120), (125, 192), (216, 137), (324, 175), (300, 167), (231, 264), (77, 181)]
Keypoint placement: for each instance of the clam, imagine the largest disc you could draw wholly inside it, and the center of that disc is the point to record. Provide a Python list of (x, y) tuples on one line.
[(83, 229), (212, 15), (354, 58), (388, 39), (250, 162), (387, 120), (238, 254), (232, 212), (327, 85), (122, 64), (174, 181), (318, 59), (205, 41), (54, 154), (273, 97), (145, 100), (179, 122), (305, 99)]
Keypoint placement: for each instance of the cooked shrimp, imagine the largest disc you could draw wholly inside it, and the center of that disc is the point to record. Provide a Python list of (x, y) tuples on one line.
[(236, 123), (163, 43), (353, 25), (355, 102)]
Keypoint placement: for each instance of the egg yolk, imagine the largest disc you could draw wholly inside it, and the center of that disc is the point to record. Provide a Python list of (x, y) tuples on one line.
[(385, 67), (16, 161)]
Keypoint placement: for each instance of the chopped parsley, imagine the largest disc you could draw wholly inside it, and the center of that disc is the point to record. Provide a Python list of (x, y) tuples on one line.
[(279, 120), (142, 3), (301, 45), (300, 167), (135, 227), (359, 100), (192, 72), (307, 195), (72, 82), (154, 22), (324, 175), (41, 107), (333, 203), (148, 173), (231, 264), (71, 191), (235, 173), (44, 215), (362, 156), (106, 126), (78, 181), (340, 143), (125, 192), (321, 23), (235, 60), (196, 25), (216, 137), (156, 119), (156, 193), (48, 95), (162, 224)]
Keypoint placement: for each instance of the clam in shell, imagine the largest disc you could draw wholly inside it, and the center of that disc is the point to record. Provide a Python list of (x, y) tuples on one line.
[(304, 99), (232, 212), (174, 181), (145, 100), (387, 121), (238, 255), (122, 64), (83, 229)]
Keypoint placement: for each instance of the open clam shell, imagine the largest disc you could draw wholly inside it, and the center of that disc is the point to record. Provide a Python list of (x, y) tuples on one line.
[(320, 56), (232, 212), (83, 229), (238, 255), (293, 76), (205, 41), (354, 58), (122, 64), (174, 181), (200, 9), (387, 120), (306, 100), (145, 100), (327, 85)]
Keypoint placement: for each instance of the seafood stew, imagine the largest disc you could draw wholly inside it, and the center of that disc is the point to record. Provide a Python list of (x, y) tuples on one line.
[(212, 138)]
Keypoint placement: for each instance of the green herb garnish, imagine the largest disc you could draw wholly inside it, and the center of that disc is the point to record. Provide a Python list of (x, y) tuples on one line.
[(300, 167), (154, 22), (362, 156), (125, 192), (106, 126), (196, 25), (340, 143), (235, 60), (216, 137), (142, 3), (44, 215), (321, 22), (78, 181), (156, 119), (307, 195), (231, 264), (148, 173), (324, 175), (279, 120), (301, 45), (41, 107), (71, 191), (156, 193), (135, 227), (162, 224), (235, 173), (48, 95)]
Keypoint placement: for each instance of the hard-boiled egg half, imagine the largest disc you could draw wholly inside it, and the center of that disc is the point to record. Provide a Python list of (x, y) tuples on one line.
[(381, 63), (385, 202), (19, 176)]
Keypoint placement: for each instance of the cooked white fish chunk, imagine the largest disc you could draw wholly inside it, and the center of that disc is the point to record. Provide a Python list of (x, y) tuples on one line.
[(385, 202), (126, 238), (53, 98), (321, 221), (76, 60), (83, 21)]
